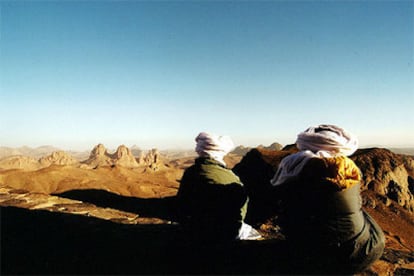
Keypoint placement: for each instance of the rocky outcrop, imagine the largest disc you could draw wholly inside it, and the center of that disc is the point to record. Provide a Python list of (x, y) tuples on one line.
[(152, 160), (19, 162), (136, 151), (388, 174), (273, 146), (27, 151), (32, 164), (99, 157), (58, 158), (123, 157), (242, 150)]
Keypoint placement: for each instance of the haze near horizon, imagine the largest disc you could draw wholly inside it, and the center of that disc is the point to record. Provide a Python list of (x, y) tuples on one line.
[(154, 74)]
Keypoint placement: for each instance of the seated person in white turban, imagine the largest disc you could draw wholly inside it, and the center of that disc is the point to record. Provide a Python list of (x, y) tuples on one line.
[(321, 213), (212, 201)]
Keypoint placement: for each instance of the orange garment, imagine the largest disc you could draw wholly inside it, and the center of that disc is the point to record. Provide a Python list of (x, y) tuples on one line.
[(339, 171)]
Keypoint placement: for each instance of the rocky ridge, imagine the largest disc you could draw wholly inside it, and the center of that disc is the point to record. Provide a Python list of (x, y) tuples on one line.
[(30, 163), (388, 174), (98, 157)]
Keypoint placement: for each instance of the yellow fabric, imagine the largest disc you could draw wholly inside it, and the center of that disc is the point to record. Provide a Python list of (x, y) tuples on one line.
[(343, 172), (340, 172)]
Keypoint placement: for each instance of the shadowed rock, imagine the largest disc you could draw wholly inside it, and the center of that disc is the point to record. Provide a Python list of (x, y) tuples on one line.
[(42, 242), (163, 208)]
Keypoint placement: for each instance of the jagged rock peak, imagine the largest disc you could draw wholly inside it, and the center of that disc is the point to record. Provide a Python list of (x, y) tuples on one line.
[(99, 150), (273, 146), (136, 151), (122, 151), (241, 150), (124, 157), (58, 158), (152, 159), (99, 156)]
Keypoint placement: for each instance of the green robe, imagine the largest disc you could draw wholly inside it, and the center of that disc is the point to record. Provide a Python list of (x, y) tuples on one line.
[(212, 202)]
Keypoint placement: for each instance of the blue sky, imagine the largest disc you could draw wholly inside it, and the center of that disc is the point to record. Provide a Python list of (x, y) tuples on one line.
[(156, 73)]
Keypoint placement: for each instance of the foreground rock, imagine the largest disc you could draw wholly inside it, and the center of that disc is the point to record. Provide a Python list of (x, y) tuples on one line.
[(54, 235)]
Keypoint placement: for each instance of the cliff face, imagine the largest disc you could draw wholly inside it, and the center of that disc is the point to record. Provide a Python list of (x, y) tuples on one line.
[(387, 174)]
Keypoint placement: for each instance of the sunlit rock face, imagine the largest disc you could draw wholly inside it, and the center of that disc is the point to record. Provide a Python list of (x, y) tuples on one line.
[(30, 164), (99, 157), (123, 157), (388, 174), (58, 158)]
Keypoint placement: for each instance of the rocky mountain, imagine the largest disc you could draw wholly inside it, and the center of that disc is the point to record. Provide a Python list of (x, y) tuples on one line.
[(135, 150), (31, 164), (19, 162), (27, 151), (242, 150), (406, 151), (124, 157), (388, 174), (273, 146), (58, 158), (152, 160), (99, 157)]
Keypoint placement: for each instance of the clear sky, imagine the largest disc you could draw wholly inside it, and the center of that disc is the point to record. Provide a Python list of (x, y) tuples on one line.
[(155, 73)]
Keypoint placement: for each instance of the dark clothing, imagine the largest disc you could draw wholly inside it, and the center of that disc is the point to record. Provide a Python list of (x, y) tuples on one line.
[(324, 222), (212, 201)]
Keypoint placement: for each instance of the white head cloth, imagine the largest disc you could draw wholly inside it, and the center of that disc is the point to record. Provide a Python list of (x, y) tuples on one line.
[(213, 146), (327, 141), (319, 141)]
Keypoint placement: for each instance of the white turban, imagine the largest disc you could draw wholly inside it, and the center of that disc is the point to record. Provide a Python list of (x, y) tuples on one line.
[(327, 140), (319, 141), (213, 146)]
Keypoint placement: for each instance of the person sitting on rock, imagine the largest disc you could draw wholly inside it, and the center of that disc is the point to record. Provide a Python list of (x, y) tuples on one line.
[(212, 201), (321, 214)]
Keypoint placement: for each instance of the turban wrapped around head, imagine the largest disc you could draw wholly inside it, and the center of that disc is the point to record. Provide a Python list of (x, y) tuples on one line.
[(213, 146), (315, 142), (327, 140)]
